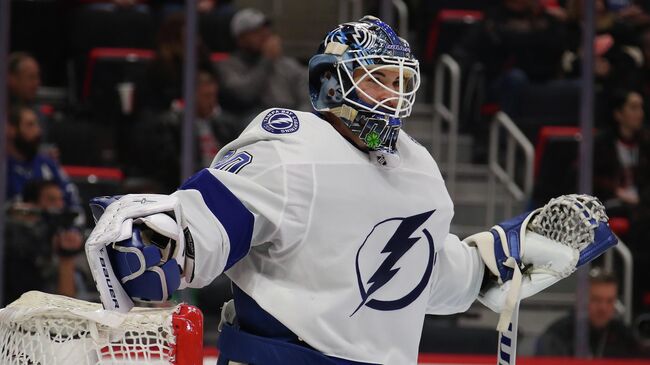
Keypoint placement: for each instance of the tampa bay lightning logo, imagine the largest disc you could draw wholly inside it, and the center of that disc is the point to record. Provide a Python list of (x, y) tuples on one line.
[(408, 242), (280, 121)]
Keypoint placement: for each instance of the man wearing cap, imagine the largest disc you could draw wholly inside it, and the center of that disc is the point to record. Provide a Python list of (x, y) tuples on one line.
[(257, 75)]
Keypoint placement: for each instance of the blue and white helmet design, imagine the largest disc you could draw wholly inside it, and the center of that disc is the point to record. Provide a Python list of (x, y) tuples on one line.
[(357, 52)]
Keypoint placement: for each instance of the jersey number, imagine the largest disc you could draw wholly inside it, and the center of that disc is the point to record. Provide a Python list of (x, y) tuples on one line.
[(232, 162)]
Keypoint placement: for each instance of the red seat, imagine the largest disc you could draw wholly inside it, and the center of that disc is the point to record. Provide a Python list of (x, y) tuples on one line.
[(104, 54), (448, 16), (548, 132), (619, 225), (90, 173), (216, 57), (490, 109)]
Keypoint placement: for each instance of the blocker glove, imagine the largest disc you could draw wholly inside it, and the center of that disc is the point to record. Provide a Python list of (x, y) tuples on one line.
[(138, 249)]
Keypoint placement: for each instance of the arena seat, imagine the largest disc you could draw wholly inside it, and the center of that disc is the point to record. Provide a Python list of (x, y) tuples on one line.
[(449, 26), (217, 57), (89, 28), (556, 162), (553, 103), (106, 68), (214, 28), (93, 181), (84, 142)]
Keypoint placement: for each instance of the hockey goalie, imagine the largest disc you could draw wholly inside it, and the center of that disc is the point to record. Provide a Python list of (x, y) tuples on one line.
[(333, 226)]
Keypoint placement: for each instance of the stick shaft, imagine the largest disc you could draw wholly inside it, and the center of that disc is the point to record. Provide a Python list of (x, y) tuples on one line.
[(507, 347)]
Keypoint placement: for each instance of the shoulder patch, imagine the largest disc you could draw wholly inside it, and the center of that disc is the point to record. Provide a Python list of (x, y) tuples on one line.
[(280, 121)]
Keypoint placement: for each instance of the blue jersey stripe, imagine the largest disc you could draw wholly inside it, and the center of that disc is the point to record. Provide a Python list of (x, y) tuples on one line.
[(228, 209)]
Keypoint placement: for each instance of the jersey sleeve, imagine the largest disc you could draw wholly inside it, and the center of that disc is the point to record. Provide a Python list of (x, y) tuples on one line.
[(236, 204), (457, 278)]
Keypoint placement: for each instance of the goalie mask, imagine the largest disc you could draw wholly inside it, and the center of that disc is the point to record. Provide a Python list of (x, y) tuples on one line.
[(366, 75)]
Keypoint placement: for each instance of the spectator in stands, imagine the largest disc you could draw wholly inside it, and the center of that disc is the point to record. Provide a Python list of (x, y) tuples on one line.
[(213, 128), (608, 335), (258, 75), (42, 243), (617, 58), (24, 78), (518, 43), (163, 82), (621, 153), (25, 163), (622, 181)]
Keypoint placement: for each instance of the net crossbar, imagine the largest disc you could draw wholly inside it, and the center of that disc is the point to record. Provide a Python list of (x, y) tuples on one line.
[(49, 329)]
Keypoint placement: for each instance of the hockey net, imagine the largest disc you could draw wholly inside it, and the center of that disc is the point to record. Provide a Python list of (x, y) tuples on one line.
[(41, 328)]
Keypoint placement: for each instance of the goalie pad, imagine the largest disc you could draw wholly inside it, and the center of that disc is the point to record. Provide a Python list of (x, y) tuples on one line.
[(124, 267)]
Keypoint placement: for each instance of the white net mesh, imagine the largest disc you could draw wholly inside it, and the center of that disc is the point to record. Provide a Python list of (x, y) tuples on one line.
[(49, 329), (570, 219)]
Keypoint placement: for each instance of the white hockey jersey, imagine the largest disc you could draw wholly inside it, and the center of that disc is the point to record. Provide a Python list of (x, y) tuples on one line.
[(348, 255)]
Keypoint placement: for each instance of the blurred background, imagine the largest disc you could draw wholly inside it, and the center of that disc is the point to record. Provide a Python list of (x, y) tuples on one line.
[(96, 107)]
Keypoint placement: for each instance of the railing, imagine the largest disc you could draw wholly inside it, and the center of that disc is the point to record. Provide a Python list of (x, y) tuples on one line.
[(447, 113), (506, 175), (628, 266)]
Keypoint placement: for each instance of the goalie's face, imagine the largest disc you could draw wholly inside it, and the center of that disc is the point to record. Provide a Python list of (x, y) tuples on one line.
[(379, 86), (386, 89)]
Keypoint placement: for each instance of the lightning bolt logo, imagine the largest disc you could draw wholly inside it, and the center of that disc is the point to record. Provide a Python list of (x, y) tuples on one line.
[(398, 245), (359, 38), (363, 37)]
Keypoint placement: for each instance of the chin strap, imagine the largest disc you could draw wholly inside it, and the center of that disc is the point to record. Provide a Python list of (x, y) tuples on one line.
[(347, 113)]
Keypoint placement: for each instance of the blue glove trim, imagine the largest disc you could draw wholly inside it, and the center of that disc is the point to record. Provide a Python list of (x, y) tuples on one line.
[(505, 273), (512, 229), (99, 204), (127, 255), (603, 240), (228, 209), (149, 286)]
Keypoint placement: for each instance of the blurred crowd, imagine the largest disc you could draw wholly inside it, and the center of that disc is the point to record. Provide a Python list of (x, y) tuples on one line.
[(527, 58), (121, 66), (117, 128)]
